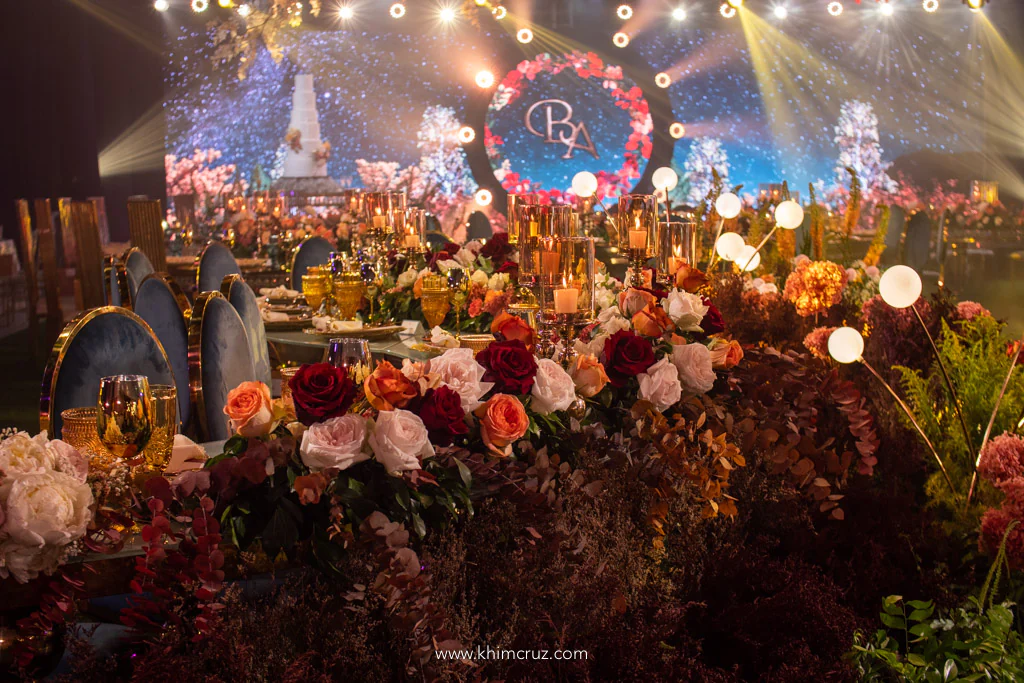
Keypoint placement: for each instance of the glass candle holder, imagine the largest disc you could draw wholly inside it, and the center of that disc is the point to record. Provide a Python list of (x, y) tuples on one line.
[(352, 201), (157, 452), (539, 223), (124, 417), (516, 202), (638, 232), (679, 245), (79, 430), (415, 233), (286, 389), (567, 289), (352, 355), (377, 208)]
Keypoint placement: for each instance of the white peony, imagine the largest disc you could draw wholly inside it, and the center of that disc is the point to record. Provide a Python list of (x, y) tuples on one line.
[(24, 454), (767, 288), (553, 388), (407, 278), (67, 459), (465, 256), (400, 441), (498, 282), (479, 277), (335, 443), (458, 370), (693, 361), (660, 385), (25, 563), (686, 310), (47, 508)]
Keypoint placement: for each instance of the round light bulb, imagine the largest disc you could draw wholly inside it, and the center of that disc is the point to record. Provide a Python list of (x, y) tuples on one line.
[(729, 245), (499, 12), (886, 9), (447, 14), (484, 79), (900, 286), (748, 258), (620, 39), (780, 12), (346, 12), (930, 5), (665, 178), (677, 130), (467, 134), (524, 35), (161, 5), (483, 197), (584, 184), (662, 80), (789, 215), (397, 10), (835, 8), (679, 14), (728, 205), (846, 345), (624, 12)]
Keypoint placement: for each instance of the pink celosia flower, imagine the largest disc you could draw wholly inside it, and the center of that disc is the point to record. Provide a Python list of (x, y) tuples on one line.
[(1002, 459), (993, 526), (817, 342), (969, 310)]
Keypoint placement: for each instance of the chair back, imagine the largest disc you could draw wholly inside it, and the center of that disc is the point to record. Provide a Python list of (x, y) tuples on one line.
[(215, 264), (184, 209), (101, 218), (241, 296), (46, 252), (165, 308), (313, 251), (89, 253), (437, 240), (218, 361), (917, 243), (479, 226), (98, 343), (145, 225), (28, 264), (894, 236), (138, 267), (116, 278)]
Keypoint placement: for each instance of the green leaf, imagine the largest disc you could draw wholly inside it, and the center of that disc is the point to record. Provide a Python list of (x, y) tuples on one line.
[(949, 671), (418, 526), (921, 614), (919, 604), (464, 473), (916, 659), (893, 621), (282, 531)]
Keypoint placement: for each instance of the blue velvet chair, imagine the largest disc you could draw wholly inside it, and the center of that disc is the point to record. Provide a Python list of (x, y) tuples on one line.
[(138, 267), (241, 296), (98, 343), (115, 277), (215, 264), (314, 251), (165, 308), (218, 361)]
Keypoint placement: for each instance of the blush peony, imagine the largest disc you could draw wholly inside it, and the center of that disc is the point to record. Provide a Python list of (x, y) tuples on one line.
[(693, 361), (553, 388), (336, 443), (400, 442), (458, 370)]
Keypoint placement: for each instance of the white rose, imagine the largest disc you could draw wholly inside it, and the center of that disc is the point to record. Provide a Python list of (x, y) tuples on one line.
[(609, 313), (399, 441), (604, 298), (458, 370), (693, 361), (337, 442), (479, 277), (498, 282), (553, 388), (474, 246), (686, 310), (660, 385), (23, 454), (407, 278), (465, 256), (47, 508)]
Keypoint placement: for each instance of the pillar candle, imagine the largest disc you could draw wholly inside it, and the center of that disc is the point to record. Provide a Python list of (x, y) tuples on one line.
[(566, 300)]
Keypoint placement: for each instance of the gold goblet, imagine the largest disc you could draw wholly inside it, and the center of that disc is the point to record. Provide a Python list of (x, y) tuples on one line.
[(348, 293), (314, 288), (125, 416), (435, 301), (165, 425)]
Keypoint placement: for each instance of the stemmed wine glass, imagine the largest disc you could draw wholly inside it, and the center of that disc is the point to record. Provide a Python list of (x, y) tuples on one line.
[(457, 284), (124, 418), (353, 355)]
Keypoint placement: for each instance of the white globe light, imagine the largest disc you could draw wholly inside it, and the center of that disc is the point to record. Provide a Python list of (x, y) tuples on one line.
[(728, 205), (900, 286), (846, 345), (161, 5), (584, 184), (789, 215), (748, 258), (729, 245), (665, 178)]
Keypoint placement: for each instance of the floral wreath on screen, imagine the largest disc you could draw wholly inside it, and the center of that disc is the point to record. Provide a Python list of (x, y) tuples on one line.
[(626, 95)]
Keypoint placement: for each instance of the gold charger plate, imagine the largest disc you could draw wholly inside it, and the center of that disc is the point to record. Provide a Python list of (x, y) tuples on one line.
[(287, 325), (369, 333)]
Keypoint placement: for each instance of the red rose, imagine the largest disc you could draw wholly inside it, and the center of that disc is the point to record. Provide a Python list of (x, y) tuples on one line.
[(511, 268), (321, 391), (626, 355), (510, 365), (497, 247), (713, 323), (442, 414)]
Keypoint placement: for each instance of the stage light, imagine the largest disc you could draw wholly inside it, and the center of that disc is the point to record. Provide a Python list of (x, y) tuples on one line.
[(161, 5), (677, 130), (663, 80), (624, 12), (200, 5), (483, 197), (846, 345), (481, 3), (484, 78), (886, 9), (620, 39), (975, 5), (244, 10), (584, 184), (735, 3), (748, 258), (665, 178), (447, 14), (780, 12), (728, 205), (467, 135), (930, 5), (727, 11), (729, 245), (679, 14), (524, 35), (499, 12), (224, 3), (397, 10), (835, 8), (789, 215), (346, 12), (900, 286)]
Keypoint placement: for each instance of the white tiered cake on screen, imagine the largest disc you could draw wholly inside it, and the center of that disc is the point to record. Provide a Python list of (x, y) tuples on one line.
[(305, 162)]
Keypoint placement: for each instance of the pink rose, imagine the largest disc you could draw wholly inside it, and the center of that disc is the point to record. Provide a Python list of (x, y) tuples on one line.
[(337, 443)]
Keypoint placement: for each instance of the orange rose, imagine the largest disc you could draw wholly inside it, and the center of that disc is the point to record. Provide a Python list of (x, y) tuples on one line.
[(250, 409), (653, 321), (632, 301), (417, 288), (387, 388), (588, 375), (725, 354), (690, 279), (508, 327), (503, 420)]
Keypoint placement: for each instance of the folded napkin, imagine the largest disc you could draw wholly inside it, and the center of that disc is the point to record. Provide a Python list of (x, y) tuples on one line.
[(273, 316), (281, 292), (327, 324), (439, 337), (186, 454)]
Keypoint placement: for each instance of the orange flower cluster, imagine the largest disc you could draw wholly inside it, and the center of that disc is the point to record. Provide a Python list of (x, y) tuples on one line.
[(815, 286)]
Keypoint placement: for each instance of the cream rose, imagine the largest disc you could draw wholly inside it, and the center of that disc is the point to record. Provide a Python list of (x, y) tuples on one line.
[(686, 310), (335, 443), (407, 278), (498, 282), (553, 388), (458, 370), (588, 375), (479, 277), (660, 385), (693, 361), (399, 441), (47, 508)]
